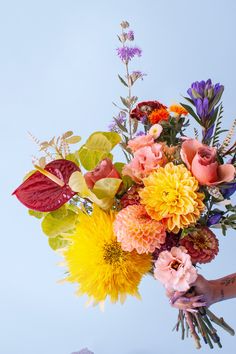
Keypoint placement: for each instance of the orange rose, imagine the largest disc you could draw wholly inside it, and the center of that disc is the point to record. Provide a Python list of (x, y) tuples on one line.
[(105, 169), (201, 161)]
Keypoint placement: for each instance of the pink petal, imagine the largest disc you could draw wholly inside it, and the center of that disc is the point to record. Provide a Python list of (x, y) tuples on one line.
[(225, 173), (189, 150)]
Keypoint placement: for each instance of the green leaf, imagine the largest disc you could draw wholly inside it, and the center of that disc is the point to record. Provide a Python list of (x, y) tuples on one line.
[(59, 213), (73, 139), (122, 81), (57, 242), (90, 158), (120, 126), (188, 99), (119, 166), (78, 184), (72, 157), (98, 142), (67, 134), (106, 187), (216, 99), (135, 125), (96, 148), (191, 111), (53, 227), (113, 137), (36, 214), (125, 102)]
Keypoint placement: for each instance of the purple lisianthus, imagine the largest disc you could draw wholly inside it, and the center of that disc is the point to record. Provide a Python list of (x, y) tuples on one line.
[(127, 53), (205, 96), (113, 127), (214, 219)]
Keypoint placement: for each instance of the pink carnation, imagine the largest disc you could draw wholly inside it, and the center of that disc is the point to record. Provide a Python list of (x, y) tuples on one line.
[(145, 160), (174, 269), (140, 142)]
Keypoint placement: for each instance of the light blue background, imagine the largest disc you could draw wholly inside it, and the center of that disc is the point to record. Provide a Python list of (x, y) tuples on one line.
[(58, 71)]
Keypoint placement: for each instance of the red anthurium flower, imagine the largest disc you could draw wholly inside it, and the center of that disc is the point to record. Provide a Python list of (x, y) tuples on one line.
[(38, 192)]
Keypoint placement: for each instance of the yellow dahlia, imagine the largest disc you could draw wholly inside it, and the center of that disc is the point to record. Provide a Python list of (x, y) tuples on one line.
[(97, 263), (136, 230), (171, 194)]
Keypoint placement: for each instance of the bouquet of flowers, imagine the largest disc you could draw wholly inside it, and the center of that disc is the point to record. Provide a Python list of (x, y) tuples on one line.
[(114, 222)]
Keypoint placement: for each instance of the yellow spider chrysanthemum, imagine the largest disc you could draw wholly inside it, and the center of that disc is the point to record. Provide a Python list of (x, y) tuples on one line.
[(171, 194), (97, 263)]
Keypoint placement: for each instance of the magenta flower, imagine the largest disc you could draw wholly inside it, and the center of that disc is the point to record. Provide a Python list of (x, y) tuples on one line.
[(127, 53)]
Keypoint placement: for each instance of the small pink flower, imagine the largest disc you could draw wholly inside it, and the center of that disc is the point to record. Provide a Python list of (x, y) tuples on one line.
[(201, 161), (140, 142), (155, 131), (145, 160), (105, 169), (174, 269)]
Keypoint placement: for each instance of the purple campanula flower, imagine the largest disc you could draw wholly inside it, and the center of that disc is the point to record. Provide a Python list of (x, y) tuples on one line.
[(127, 53), (205, 96), (113, 127), (227, 192), (130, 35), (214, 219)]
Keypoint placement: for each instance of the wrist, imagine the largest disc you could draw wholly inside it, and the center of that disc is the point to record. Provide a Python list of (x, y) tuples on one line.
[(216, 294)]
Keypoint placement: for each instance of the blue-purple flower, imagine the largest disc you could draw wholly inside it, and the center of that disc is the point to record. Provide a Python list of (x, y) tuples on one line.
[(214, 219), (227, 192), (113, 127), (205, 96), (127, 53)]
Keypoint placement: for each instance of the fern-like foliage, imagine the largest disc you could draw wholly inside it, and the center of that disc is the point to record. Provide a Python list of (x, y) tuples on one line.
[(228, 138), (218, 131)]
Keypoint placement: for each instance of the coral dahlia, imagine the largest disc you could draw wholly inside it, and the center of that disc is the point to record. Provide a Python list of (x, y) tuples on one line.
[(136, 230)]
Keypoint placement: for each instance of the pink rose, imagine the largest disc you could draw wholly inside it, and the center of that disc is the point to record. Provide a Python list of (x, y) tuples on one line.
[(145, 160), (201, 161), (140, 141), (174, 269), (105, 169)]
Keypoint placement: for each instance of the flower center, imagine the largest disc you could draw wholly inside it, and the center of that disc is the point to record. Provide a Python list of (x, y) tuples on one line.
[(112, 253), (175, 264), (170, 197)]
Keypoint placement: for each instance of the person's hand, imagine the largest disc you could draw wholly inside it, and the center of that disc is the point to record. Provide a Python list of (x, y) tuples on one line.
[(201, 294)]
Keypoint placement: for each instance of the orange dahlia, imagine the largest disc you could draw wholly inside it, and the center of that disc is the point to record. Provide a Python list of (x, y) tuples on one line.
[(135, 229), (158, 115), (178, 110), (201, 244)]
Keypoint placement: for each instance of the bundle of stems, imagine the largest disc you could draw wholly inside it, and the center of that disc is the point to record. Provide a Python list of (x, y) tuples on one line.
[(200, 325)]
